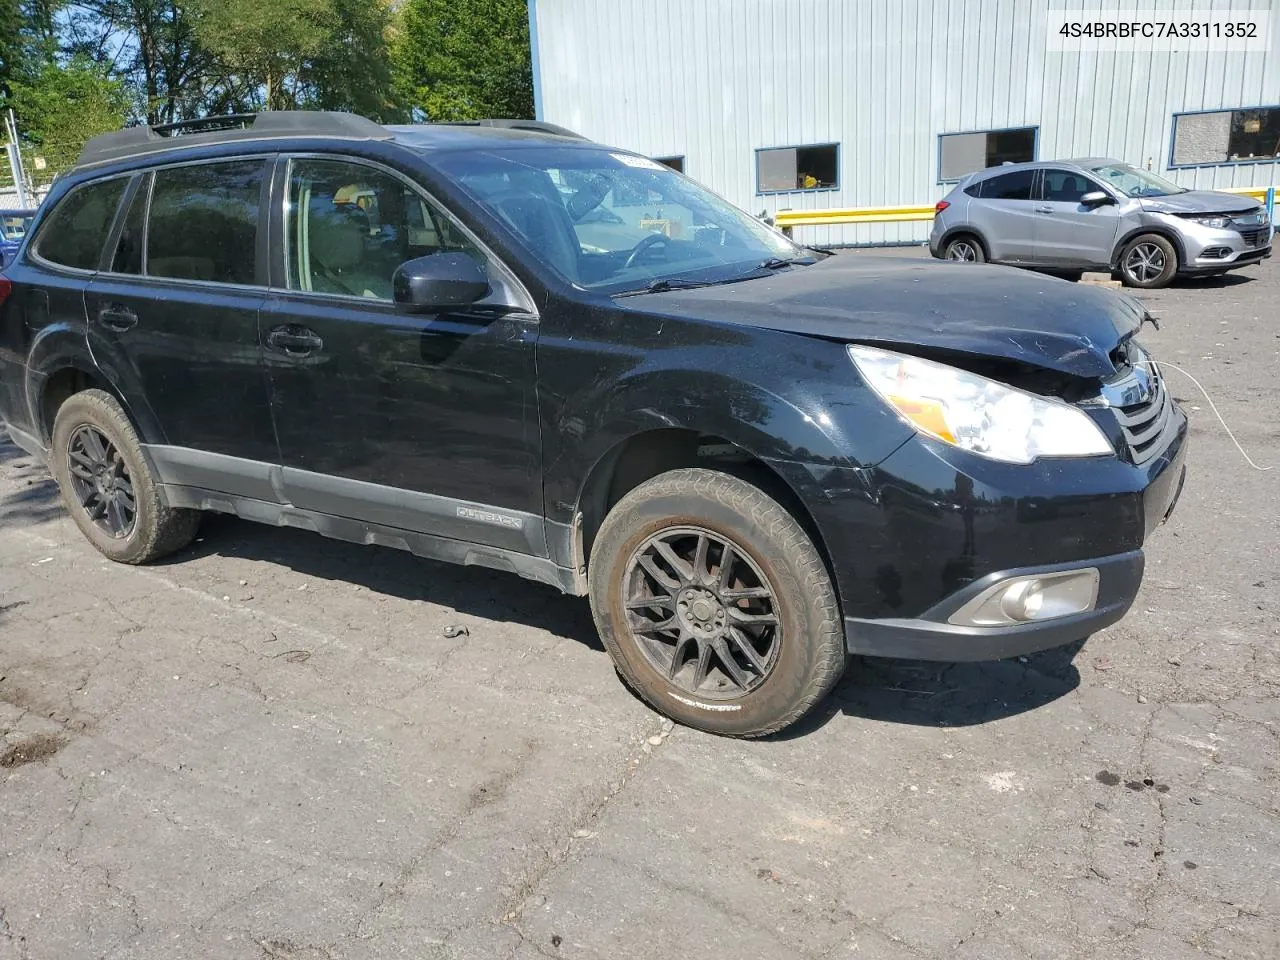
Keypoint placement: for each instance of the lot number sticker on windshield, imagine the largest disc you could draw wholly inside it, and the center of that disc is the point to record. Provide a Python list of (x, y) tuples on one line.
[(644, 163)]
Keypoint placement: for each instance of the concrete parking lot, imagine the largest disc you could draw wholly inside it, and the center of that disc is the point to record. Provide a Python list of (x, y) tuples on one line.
[(276, 746)]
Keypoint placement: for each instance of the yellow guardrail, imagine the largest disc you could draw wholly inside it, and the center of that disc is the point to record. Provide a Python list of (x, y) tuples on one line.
[(817, 218), (797, 218), (1258, 193)]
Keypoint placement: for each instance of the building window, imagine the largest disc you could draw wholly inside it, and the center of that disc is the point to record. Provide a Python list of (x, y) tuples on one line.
[(1226, 136), (675, 163), (782, 169), (960, 154)]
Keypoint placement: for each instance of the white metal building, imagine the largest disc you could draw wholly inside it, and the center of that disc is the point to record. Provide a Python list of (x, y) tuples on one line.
[(829, 104)]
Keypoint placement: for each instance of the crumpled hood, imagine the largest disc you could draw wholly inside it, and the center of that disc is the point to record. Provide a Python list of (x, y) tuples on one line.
[(1201, 201), (987, 311)]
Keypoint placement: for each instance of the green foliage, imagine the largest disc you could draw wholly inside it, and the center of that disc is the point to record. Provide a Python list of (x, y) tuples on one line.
[(267, 42), (351, 70), (10, 39), (464, 59), (74, 68), (61, 107)]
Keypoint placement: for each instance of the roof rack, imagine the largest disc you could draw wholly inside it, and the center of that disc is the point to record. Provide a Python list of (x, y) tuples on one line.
[(135, 141), (536, 126)]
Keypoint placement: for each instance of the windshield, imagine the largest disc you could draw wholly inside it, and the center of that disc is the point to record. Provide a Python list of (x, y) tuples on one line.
[(14, 227), (611, 221), (1133, 182)]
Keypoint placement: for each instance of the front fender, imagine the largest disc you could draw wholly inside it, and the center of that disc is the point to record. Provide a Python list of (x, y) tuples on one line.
[(786, 399)]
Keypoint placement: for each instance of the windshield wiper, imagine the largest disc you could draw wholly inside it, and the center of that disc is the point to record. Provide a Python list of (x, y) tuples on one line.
[(777, 263), (664, 284)]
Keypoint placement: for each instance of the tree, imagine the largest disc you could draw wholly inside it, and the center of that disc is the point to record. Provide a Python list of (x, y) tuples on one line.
[(352, 69), (267, 43), (152, 45), (464, 59), (62, 106)]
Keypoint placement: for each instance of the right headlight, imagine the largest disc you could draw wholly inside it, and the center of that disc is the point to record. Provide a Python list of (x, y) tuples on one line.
[(973, 413), (1218, 222)]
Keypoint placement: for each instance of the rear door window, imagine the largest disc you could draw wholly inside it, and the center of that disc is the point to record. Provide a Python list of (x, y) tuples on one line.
[(128, 255), (1010, 186), (75, 232), (204, 222)]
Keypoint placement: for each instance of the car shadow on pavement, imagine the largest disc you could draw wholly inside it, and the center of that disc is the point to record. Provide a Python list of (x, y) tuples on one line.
[(929, 694), (29, 495), (1233, 279), (471, 591)]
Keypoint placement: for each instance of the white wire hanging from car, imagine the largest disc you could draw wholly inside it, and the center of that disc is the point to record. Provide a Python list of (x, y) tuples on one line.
[(1165, 364)]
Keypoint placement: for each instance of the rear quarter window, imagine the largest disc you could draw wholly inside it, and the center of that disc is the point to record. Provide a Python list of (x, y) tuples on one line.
[(1010, 186), (76, 230)]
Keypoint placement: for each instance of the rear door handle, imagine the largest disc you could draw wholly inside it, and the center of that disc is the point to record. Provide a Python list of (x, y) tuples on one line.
[(117, 317), (295, 341)]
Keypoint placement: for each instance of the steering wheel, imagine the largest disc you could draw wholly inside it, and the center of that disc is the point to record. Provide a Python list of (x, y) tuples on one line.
[(644, 246)]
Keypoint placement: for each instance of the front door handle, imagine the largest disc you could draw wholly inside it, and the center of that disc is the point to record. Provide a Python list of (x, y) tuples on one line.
[(294, 340), (117, 317), (1044, 209)]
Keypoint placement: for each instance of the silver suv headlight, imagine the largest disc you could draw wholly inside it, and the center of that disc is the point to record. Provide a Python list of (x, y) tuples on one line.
[(1209, 220), (973, 413)]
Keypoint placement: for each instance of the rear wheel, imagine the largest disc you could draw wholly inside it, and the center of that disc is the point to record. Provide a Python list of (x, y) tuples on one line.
[(108, 487), (1148, 262), (715, 605), (964, 249)]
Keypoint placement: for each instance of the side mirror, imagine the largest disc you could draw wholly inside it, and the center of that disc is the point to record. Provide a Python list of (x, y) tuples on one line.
[(1097, 198), (438, 281)]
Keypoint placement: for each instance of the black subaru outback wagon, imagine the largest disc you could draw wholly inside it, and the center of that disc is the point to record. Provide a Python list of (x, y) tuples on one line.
[(501, 344)]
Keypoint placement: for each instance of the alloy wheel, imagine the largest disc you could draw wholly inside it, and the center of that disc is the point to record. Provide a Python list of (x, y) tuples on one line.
[(702, 612), (1144, 263), (962, 250), (101, 482)]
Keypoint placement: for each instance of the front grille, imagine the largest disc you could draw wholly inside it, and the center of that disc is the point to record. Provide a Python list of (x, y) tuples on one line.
[(1143, 423), (1253, 237)]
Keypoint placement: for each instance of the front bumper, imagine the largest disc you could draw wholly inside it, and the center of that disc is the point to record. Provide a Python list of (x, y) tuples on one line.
[(932, 637), (914, 538), (1213, 250)]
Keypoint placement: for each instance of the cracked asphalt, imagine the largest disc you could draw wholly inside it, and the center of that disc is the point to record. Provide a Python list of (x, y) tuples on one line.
[(269, 748)]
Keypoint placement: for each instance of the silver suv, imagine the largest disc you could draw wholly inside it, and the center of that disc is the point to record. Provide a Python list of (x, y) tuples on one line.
[(1074, 215)]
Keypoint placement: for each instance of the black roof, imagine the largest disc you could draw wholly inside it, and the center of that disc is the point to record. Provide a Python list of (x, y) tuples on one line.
[(293, 124)]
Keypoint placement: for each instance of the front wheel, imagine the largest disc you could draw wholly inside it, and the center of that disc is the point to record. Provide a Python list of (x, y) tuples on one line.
[(715, 605), (1148, 262)]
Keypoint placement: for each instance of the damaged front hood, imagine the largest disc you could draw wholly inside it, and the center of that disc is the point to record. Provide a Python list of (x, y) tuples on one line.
[(1200, 201), (984, 311)]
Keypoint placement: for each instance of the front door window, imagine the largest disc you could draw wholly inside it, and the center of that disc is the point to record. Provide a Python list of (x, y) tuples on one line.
[(350, 226)]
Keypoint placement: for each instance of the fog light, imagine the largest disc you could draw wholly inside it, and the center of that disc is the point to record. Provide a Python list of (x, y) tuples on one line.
[(1027, 599), (1022, 600)]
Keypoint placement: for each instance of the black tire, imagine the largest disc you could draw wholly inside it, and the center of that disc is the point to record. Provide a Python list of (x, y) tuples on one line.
[(803, 651), (156, 529), (1148, 262), (964, 248)]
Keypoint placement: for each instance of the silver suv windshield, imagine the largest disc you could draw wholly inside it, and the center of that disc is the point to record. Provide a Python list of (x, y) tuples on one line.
[(1133, 182), (609, 221)]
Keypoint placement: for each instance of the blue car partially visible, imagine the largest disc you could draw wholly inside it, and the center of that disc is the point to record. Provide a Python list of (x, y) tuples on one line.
[(13, 227)]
